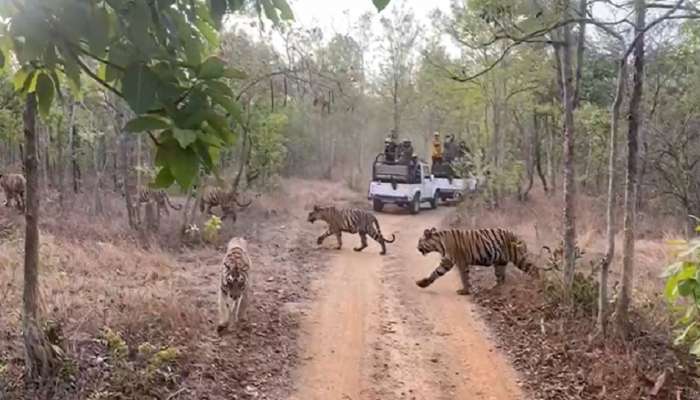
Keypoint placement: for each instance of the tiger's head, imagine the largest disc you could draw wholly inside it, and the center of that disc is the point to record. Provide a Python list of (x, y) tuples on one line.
[(237, 242), (429, 242), (317, 213), (235, 272)]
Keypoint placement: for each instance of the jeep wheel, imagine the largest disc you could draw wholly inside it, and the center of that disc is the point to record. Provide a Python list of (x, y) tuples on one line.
[(434, 200), (377, 205), (415, 204)]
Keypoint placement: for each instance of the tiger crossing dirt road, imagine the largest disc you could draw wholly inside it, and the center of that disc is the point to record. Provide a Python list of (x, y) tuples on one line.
[(372, 334)]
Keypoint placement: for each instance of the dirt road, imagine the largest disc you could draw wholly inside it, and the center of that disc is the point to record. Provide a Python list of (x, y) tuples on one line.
[(373, 334)]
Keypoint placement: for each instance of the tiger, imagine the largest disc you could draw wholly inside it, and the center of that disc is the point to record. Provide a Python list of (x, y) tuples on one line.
[(160, 197), (483, 247), (235, 283), (351, 220), (227, 201), (14, 186)]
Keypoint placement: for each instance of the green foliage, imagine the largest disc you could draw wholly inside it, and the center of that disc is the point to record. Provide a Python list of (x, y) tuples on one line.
[(212, 228), (156, 55), (269, 151), (115, 344), (683, 292), (381, 4)]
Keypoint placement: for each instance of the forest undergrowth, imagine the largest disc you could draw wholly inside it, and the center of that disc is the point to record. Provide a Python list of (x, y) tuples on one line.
[(553, 342)]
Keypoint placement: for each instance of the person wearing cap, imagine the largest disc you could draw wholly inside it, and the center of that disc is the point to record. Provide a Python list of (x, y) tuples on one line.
[(437, 149)]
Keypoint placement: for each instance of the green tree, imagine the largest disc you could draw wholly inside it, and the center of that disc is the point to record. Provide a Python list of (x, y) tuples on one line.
[(156, 56)]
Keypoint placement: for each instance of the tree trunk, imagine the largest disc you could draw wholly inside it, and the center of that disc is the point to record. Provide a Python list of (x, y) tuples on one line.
[(124, 155), (580, 47), (74, 140), (635, 122), (41, 358), (538, 152), (528, 143), (138, 164), (551, 136), (569, 187), (243, 160), (395, 99), (602, 320)]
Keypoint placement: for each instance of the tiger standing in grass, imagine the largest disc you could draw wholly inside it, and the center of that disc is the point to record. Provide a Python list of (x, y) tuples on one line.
[(160, 197), (483, 247), (351, 220), (234, 285), (227, 201), (14, 186)]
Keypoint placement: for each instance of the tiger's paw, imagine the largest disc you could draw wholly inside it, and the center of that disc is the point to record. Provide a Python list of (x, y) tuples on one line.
[(423, 283), (463, 292)]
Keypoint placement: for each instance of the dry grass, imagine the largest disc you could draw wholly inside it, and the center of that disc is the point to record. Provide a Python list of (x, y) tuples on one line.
[(96, 275), (538, 222), (551, 343)]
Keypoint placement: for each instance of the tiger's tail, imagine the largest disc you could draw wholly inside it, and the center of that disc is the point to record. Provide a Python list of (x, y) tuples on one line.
[(244, 205), (379, 233), (176, 207)]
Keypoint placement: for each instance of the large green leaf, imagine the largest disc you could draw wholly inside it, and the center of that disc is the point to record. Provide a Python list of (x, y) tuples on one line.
[(118, 60), (139, 87), (20, 78), (164, 179), (184, 137), (182, 163), (209, 33), (71, 69), (285, 11), (139, 20), (230, 105), (687, 287), (98, 34), (270, 11), (44, 92), (220, 87), (234, 73), (381, 4), (147, 123), (212, 68)]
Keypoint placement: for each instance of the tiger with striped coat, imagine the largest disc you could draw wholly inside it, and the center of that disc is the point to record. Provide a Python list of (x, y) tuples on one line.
[(351, 220), (160, 197), (483, 247), (14, 186), (227, 201), (234, 284)]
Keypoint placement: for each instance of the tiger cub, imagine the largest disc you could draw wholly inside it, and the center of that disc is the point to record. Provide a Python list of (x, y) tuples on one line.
[(483, 247), (160, 197), (227, 201), (14, 186), (351, 220), (234, 286)]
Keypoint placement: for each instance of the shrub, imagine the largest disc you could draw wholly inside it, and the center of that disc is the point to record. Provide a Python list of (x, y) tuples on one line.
[(683, 292)]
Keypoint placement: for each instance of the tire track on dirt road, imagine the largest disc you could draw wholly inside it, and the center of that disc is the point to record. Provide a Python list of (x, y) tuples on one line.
[(373, 334)]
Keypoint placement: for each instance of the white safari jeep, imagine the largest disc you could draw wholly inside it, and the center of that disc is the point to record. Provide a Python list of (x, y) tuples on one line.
[(403, 185), (450, 185)]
